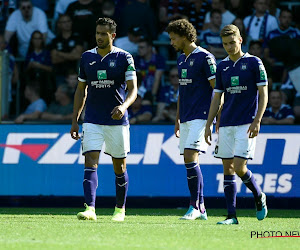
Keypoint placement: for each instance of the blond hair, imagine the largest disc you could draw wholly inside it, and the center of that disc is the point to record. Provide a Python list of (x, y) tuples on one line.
[(229, 30)]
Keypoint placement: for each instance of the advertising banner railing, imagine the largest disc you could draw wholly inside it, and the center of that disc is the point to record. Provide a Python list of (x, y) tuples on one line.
[(45, 160)]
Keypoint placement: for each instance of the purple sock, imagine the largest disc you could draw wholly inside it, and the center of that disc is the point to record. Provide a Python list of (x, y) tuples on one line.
[(250, 182), (193, 177), (90, 184), (230, 193), (122, 181)]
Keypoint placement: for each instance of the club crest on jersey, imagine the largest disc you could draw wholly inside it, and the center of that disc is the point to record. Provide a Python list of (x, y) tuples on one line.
[(235, 81), (183, 73), (192, 62), (101, 74), (244, 66), (112, 63)]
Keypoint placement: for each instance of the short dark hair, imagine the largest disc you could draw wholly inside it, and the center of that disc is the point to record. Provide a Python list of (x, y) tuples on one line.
[(183, 27), (285, 10), (215, 11), (34, 86), (147, 41), (255, 42), (107, 21)]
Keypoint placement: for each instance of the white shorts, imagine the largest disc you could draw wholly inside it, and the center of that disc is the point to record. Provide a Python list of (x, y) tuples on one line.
[(192, 136), (234, 141), (116, 138)]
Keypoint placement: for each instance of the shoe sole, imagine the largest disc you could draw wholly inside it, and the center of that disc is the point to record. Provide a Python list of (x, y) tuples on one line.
[(82, 217)]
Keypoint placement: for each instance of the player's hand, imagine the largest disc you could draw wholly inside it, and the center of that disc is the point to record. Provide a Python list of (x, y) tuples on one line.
[(118, 112), (207, 135), (176, 129), (74, 131), (254, 129)]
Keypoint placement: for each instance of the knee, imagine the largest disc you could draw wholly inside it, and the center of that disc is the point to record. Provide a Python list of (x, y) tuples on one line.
[(90, 162), (229, 169), (190, 156)]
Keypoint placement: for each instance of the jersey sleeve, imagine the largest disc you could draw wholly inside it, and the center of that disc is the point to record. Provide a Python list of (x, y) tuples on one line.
[(81, 74), (130, 73), (210, 67), (219, 87), (260, 73)]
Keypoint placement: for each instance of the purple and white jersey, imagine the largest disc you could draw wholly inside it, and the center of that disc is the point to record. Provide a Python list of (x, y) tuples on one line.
[(239, 80), (106, 79), (195, 71)]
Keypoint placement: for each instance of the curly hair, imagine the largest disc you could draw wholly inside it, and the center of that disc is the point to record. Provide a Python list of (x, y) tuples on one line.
[(184, 28), (107, 21)]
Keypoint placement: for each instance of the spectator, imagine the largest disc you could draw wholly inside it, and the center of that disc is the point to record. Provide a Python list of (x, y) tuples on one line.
[(62, 109), (66, 48), (84, 14), (273, 8), (227, 16), (284, 29), (196, 12), (140, 111), (256, 49), (37, 104), (60, 8), (259, 25), (41, 4), (24, 22), (210, 38), (151, 66), (137, 12), (130, 42), (6, 8), (13, 77), (167, 101), (109, 10), (71, 79), (240, 8), (246, 38), (38, 59), (278, 113)]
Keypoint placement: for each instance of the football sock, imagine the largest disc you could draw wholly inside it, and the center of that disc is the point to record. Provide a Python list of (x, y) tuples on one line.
[(90, 184), (193, 178), (250, 182), (121, 189), (230, 193)]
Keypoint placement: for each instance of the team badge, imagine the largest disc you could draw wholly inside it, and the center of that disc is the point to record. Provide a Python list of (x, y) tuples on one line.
[(235, 81), (244, 66), (112, 63), (183, 73), (192, 62), (101, 74)]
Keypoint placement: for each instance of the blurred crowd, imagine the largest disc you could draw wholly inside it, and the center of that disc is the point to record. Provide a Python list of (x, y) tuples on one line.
[(45, 40)]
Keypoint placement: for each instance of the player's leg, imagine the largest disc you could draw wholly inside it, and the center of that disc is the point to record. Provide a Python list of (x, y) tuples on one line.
[(192, 141), (117, 145), (225, 150), (121, 182), (230, 192), (92, 141), (245, 148), (90, 184)]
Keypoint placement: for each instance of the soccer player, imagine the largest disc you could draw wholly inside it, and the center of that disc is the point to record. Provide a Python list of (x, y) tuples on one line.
[(196, 69), (105, 74), (240, 76)]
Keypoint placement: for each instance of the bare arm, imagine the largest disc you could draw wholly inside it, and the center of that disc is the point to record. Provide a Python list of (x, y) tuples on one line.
[(75, 54), (157, 80), (8, 35), (79, 100), (262, 104), (215, 107), (32, 116), (177, 120)]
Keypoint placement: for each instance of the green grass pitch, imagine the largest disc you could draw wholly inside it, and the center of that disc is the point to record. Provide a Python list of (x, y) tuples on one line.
[(58, 228)]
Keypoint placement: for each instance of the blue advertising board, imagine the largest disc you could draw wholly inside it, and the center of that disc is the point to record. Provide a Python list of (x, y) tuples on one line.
[(45, 160)]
